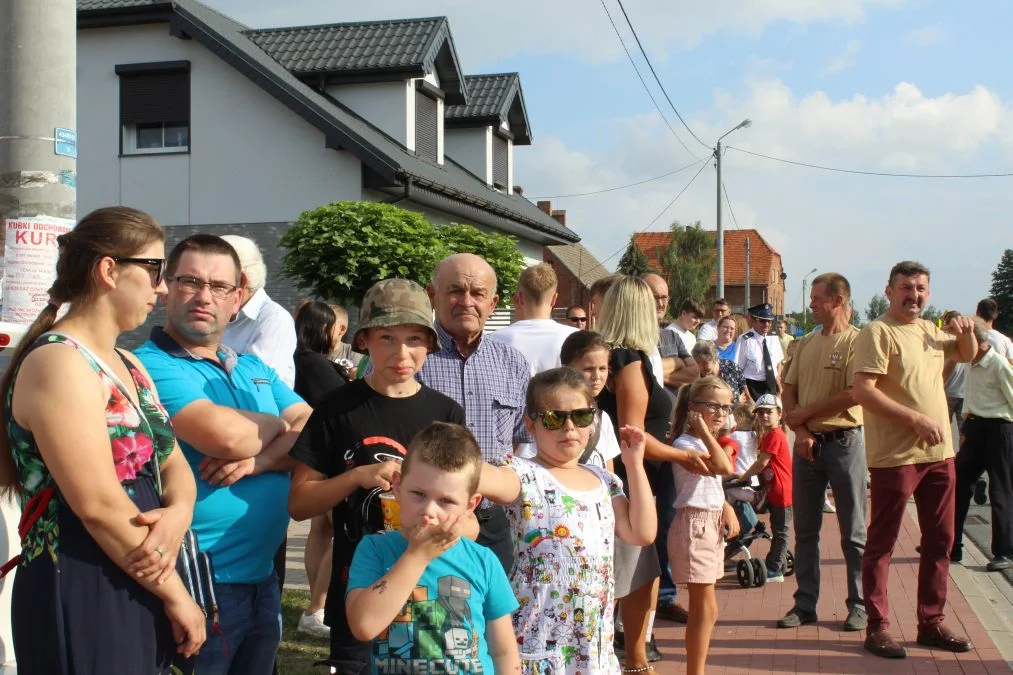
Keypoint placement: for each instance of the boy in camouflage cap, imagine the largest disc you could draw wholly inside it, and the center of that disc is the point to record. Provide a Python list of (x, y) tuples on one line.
[(395, 302)]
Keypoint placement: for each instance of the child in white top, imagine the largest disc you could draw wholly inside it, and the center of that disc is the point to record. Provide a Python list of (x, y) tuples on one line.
[(564, 518), (703, 518), (588, 352)]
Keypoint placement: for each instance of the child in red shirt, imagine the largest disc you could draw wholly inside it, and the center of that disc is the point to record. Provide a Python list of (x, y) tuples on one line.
[(773, 465)]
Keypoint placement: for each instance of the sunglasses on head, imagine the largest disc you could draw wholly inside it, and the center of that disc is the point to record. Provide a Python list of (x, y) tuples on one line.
[(577, 319), (554, 420)]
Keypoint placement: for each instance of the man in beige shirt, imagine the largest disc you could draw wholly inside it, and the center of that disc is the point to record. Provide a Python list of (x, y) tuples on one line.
[(988, 446), (820, 407), (898, 381)]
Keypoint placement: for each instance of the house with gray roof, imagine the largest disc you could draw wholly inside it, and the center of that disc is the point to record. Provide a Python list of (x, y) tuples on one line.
[(213, 126)]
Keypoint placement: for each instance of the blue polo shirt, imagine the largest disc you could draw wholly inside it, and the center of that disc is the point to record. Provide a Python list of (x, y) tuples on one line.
[(243, 525)]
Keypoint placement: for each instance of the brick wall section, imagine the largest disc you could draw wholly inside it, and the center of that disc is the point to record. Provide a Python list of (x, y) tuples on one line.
[(267, 236), (569, 290)]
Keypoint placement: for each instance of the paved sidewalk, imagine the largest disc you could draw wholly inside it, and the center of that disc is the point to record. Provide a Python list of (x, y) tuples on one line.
[(745, 640)]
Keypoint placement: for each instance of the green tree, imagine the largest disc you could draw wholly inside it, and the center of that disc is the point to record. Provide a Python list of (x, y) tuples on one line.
[(1002, 292), (633, 262), (931, 313), (339, 250), (878, 305), (687, 264), (856, 316)]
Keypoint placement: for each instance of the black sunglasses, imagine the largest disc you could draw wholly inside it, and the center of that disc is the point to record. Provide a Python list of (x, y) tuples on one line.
[(577, 319), (554, 420), (155, 264)]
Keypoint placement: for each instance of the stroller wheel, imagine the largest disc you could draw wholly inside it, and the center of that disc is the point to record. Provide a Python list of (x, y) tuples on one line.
[(744, 573), (789, 564), (759, 572)]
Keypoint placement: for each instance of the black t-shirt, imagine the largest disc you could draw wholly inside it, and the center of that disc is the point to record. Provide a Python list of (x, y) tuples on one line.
[(316, 376), (658, 417), (356, 426)]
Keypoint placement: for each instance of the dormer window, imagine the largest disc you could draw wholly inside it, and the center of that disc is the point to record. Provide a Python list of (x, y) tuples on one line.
[(500, 162), (428, 111)]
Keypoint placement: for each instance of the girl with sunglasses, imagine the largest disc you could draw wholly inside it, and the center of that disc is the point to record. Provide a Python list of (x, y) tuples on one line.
[(564, 517), (703, 517)]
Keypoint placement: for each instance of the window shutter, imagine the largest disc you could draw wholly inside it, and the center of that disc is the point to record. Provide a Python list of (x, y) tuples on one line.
[(500, 162), (426, 126), (154, 97)]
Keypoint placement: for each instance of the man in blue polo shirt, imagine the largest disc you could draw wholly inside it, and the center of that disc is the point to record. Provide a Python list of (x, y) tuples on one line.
[(235, 421)]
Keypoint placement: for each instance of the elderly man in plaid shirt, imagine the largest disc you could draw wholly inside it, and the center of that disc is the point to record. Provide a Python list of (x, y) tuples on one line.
[(489, 378)]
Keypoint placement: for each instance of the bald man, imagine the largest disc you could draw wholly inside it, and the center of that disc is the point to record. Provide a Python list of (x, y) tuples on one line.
[(489, 378)]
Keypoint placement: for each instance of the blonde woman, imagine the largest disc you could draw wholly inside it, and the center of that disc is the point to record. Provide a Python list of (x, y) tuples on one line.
[(636, 396)]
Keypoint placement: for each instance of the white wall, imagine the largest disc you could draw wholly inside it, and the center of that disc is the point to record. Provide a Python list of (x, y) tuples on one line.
[(472, 149), (251, 159), (389, 106)]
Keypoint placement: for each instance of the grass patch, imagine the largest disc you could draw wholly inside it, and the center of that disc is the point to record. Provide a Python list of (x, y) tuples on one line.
[(298, 651)]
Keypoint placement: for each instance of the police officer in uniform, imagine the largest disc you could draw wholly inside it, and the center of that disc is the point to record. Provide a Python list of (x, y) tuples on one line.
[(759, 353)]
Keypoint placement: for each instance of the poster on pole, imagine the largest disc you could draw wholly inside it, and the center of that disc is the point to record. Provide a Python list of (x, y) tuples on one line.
[(29, 265)]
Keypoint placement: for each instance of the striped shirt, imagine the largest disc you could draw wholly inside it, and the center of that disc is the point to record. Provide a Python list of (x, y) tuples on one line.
[(490, 385)]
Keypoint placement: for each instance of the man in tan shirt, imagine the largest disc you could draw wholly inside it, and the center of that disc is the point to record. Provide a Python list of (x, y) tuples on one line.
[(829, 450), (898, 380)]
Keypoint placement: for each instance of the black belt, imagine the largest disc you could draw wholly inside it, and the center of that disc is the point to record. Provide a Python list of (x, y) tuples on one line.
[(835, 435), (995, 420)]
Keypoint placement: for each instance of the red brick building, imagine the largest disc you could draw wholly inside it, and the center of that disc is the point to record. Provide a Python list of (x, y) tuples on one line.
[(576, 268), (765, 268)]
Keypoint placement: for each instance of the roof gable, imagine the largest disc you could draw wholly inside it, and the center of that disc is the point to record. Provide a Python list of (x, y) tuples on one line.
[(762, 256), (368, 50), (580, 262), (493, 99)]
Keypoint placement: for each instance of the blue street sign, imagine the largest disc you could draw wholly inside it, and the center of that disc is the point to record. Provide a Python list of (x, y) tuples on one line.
[(65, 142)]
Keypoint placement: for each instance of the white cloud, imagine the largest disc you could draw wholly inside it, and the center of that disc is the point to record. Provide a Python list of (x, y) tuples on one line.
[(485, 32), (926, 36), (857, 225), (845, 60)]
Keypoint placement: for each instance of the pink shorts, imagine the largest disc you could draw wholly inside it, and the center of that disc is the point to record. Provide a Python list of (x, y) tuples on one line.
[(696, 546)]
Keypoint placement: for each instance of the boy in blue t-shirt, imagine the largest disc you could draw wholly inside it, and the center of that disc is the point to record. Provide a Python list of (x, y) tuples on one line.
[(430, 600)]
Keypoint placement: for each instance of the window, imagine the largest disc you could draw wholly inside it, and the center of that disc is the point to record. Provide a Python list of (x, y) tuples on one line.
[(426, 125), (155, 107), (500, 162)]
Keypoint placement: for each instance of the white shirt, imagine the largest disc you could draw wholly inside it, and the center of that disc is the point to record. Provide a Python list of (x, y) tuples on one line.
[(747, 453), (539, 340), (708, 331), (687, 337), (749, 354), (701, 492), (1002, 344), (266, 329)]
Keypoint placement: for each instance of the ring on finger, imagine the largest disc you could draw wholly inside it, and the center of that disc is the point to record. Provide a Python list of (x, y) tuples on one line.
[(160, 551)]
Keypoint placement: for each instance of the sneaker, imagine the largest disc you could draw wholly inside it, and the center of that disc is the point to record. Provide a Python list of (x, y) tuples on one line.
[(857, 620), (828, 507), (980, 491), (775, 577), (313, 624), (673, 612), (1000, 562), (795, 618), (653, 654)]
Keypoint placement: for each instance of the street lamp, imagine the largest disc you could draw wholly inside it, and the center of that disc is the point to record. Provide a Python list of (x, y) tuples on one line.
[(805, 305), (721, 233)]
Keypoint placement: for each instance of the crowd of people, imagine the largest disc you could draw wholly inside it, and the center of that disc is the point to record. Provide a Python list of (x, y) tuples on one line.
[(529, 500)]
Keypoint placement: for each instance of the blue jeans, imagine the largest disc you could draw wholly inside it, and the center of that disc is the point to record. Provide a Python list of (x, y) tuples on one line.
[(250, 618)]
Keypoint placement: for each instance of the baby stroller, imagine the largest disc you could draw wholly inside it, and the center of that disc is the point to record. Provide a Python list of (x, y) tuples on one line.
[(747, 502)]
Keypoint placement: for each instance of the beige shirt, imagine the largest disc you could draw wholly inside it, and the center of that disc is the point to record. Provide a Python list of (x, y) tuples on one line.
[(821, 368), (908, 358), (988, 389)]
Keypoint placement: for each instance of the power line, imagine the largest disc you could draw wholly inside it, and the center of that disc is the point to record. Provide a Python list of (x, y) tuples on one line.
[(729, 203), (655, 74), (644, 82), (623, 187), (870, 173), (660, 213)]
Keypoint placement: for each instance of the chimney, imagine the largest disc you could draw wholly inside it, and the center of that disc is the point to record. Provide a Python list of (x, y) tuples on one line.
[(545, 206), (519, 190), (559, 216)]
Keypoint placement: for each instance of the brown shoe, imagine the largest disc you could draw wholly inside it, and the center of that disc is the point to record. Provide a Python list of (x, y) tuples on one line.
[(672, 612), (941, 637), (883, 645)]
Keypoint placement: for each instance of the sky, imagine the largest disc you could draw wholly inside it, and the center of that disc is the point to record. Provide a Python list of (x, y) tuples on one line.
[(894, 86)]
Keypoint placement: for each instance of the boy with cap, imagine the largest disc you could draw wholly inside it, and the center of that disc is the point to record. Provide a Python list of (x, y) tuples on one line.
[(759, 354), (354, 442)]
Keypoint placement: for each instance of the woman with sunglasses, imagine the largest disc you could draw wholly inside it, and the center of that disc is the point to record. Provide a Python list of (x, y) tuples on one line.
[(565, 517), (96, 587)]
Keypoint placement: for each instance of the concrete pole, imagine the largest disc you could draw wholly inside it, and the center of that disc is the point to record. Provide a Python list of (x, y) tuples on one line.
[(38, 95), (746, 302), (719, 292)]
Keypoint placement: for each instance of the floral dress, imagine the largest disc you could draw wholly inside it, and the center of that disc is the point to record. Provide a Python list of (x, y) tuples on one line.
[(562, 574), (72, 609)]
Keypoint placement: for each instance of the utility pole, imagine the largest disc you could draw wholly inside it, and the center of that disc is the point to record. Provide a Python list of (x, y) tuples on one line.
[(720, 290), (746, 302), (38, 137)]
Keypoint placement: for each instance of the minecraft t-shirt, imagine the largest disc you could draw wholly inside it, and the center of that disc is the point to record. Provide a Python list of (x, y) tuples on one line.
[(441, 628)]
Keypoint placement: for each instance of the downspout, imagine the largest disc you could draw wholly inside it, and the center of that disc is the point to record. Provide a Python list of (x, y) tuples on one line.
[(406, 194)]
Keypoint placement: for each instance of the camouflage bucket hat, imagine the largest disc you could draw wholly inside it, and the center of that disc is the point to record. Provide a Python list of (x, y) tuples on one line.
[(395, 302)]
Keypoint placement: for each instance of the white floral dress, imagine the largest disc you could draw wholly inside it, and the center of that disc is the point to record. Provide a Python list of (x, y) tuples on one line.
[(562, 574)]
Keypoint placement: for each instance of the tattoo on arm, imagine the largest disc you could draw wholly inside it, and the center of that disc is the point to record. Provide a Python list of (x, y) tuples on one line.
[(379, 587)]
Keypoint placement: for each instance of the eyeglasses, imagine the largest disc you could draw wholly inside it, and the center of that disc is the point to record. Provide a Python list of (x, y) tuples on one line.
[(157, 265), (577, 319), (716, 408), (554, 420), (194, 285)]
